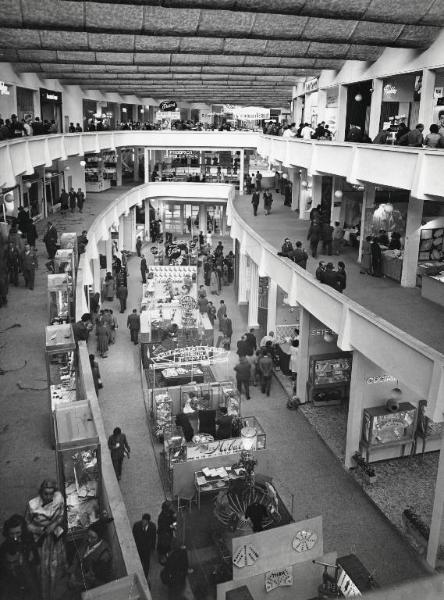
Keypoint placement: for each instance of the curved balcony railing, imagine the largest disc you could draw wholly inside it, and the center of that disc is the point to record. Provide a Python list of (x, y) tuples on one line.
[(415, 169)]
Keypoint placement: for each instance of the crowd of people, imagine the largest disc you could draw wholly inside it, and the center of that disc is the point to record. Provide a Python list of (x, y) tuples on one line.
[(15, 128)]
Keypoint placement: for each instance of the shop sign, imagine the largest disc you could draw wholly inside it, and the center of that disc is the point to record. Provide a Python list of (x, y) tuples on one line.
[(390, 89), (278, 578), (346, 585), (251, 113), (165, 114), (321, 332), (381, 379), (4, 90), (192, 354), (180, 153), (49, 95), (332, 98), (311, 86), (168, 105)]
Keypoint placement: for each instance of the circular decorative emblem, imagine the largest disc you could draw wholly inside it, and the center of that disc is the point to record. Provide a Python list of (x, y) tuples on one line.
[(188, 302), (153, 250), (304, 540)]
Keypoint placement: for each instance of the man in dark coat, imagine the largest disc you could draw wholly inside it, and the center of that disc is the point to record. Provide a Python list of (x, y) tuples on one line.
[(327, 238), (331, 278), (13, 262), (118, 445), (122, 295), (314, 235), (82, 328), (80, 199), (50, 240), (299, 256), (376, 258), (255, 202), (143, 268), (72, 200), (133, 324), (144, 533), (29, 265), (64, 202), (227, 328), (243, 369)]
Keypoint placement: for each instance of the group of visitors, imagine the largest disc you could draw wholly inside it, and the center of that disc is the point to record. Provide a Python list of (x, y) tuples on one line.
[(303, 131), (335, 278), (72, 199), (295, 253), (15, 128), (321, 230), (268, 201), (218, 269), (33, 558)]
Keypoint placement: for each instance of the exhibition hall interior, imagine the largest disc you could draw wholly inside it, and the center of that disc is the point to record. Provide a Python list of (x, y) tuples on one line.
[(221, 299)]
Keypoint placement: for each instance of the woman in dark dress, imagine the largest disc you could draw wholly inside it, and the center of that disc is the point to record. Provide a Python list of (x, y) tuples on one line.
[(376, 258)]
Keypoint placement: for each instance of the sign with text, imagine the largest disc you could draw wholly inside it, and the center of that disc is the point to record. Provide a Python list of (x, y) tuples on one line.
[(4, 90), (168, 105), (311, 86), (164, 114), (50, 96), (278, 578)]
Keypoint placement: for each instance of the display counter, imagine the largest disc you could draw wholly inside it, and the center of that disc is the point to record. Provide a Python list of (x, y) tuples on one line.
[(433, 288), (177, 376), (61, 363), (64, 261), (392, 264), (78, 466), (68, 241)]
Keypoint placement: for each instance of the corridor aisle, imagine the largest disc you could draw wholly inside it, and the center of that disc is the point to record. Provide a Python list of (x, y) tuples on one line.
[(403, 307)]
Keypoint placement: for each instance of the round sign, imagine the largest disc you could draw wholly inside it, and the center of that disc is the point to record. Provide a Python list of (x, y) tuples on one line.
[(167, 105)]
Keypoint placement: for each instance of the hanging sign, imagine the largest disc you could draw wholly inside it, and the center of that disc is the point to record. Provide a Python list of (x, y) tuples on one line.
[(311, 86), (170, 115), (4, 90), (168, 105), (278, 578), (191, 354), (381, 379), (251, 113), (50, 95)]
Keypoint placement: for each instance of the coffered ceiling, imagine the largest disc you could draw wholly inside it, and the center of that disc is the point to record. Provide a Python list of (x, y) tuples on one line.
[(232, 51)]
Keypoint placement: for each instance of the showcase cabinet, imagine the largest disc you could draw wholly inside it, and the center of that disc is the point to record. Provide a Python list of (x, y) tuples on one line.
[(59, 298), (329, 378), (382, 428), (61, 363), (78, 465)]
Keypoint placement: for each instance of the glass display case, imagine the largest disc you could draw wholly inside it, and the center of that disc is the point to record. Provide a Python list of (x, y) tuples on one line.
[(261, 438), (61, 363), (230, 398), (68, 241), (162, 412), (78, 465), (64, 261), (194, 398), (329, 378), (384, 428), (59, 298)]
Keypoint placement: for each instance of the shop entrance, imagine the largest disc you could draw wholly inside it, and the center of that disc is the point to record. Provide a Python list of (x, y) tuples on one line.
[(25, 103), (51, 107), (359, 97)]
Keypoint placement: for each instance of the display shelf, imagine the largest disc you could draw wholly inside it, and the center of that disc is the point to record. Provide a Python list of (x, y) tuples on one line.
[(78, 465), (64, 261), (162, 412), (431, 244), (382, 428), (59, 298)]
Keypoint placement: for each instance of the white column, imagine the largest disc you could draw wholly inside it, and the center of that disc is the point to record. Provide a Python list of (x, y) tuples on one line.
[(253, 303), (146, 165), (355, 407), (203, 218), (127, 231), (119, 167), (223, 220), (95, 268), (109, 252), (342, 113), (294, 177), (242, 295), (241, 171), (411, 246), (303, 358), (271, 306), (336, 203), (375, 108), (147, 218), (426, 103), (136, 164), (368, 201), (436, 538)]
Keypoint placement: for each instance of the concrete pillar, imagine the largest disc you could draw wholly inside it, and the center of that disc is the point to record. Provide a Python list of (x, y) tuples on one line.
[(242, 295), (203, 218), (355, 408), (109, 252), (241, 171), (412, 238), (436, 537), (271, 306), (426, 104), (336, 203), (119, 166), (303, 359), (253, 303), (322, 105), (375, 108), (304, 193), (127, 231), (136, 164), (342, 113), (95, 269), (147, 219), (182, 218), (75, 174), (368, 201), (295, 178)]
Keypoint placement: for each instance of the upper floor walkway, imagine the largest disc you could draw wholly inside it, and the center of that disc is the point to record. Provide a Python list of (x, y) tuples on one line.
[(415, 169)]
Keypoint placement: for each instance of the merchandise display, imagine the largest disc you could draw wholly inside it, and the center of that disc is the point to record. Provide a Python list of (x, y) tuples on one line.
[(61, 365), (95, 175), (78, 465), (64, 261), (162, 405), (60, 293), (68, 241), (329, 378), (384, 428), (431, 244)]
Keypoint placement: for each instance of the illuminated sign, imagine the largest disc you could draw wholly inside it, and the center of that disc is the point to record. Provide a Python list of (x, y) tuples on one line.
[(168, 105), (381, 379), (4, 91), (390, 89)]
